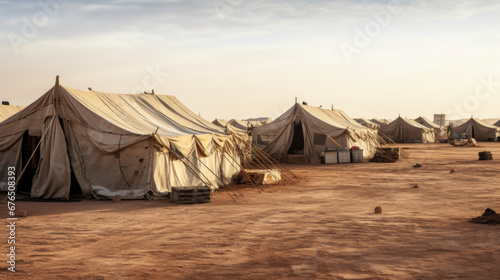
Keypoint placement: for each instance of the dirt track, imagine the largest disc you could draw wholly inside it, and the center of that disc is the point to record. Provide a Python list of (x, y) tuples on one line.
[(321, 228)]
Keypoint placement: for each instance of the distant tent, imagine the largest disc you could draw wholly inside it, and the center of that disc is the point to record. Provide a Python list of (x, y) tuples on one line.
[(306, 131), (220, 122), (495, 122), (438, 131), (6, 111), (243, 126), (367, 123), (478, 129), (408, 131), (454, 123), (230, 129), (262, 120), (132, 145), (381, 122)]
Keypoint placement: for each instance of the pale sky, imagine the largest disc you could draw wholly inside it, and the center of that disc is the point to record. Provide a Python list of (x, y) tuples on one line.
[(251, 58)]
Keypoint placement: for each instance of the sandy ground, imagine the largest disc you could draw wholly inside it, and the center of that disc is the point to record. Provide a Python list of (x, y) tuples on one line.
[(323, 227)]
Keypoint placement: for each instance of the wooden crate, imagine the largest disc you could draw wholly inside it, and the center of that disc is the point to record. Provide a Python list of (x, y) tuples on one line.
[(190, 195)]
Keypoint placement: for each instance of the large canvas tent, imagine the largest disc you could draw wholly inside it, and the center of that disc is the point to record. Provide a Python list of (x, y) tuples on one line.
[(307, 131), (478, 129), (132, 145), (8, 110), (408, 131)]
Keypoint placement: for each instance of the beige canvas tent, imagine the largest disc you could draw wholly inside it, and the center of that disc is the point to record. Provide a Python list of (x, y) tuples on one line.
[(230, 129), (407, 131), (438, 131), (367, 123), (306, 130), (113, 144), (478, 129), (8, 110)]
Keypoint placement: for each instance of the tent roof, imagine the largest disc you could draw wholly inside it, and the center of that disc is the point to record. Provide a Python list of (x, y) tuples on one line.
[(365, 122), (263, 120), (479, 122), (426, 122), (405, 121), (495, 122), (6, 111), (139, 114), (144, 113)]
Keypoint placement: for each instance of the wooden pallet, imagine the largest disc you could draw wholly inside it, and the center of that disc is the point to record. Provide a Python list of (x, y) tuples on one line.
[(190, 195), (386, 155)]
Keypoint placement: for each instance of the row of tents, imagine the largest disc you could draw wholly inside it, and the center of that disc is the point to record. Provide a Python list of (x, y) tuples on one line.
[(142, 145), (103, 144)]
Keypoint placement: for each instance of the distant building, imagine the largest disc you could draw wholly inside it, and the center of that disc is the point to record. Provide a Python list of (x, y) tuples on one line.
[(441, 119)]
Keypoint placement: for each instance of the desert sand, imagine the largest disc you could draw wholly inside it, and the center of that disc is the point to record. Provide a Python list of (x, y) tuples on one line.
[(321, 227)]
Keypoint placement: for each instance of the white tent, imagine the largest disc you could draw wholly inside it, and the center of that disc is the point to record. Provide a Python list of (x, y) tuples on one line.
[(306, 130), (132, 145)]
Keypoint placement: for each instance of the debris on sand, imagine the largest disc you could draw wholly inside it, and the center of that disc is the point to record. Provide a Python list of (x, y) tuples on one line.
[(117, 197), (489, 217), (378, 210), (452, 170), (486, 155), (415, 186), (417, 165), (22, 213)]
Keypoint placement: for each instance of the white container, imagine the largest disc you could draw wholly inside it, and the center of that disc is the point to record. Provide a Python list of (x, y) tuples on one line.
[(331, 157), (356, 156), (344, 156)]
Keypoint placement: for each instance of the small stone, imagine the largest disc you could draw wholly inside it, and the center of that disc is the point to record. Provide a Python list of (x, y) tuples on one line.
[(21, 213), (417, 165), (378, 210), (117, 197), (415, 186), (452, 170), (489, 212)]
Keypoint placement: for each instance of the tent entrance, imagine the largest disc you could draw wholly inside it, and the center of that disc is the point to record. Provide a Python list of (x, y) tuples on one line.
[(297, 146), (28, 147), (75, 187)]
